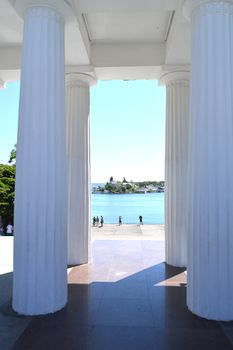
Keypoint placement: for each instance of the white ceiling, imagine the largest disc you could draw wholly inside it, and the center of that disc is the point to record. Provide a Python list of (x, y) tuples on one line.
[(128, 27), (115, 39), (11, 26), (126, 6)]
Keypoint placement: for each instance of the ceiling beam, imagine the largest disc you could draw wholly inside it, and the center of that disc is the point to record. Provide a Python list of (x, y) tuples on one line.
[(123, 6), (120, 55), (10, 57)]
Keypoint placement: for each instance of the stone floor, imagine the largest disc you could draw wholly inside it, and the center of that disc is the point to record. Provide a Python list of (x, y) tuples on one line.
[(129, 232), (126, 299)]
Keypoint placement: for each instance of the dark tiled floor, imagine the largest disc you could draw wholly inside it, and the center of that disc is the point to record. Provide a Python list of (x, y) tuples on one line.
[(11, 325), (127, 299)]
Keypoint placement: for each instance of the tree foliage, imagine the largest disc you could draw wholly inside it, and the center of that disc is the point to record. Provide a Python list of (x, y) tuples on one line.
[(119, 187), (131, 187), (7, 193), (13, 156), (147, 183)]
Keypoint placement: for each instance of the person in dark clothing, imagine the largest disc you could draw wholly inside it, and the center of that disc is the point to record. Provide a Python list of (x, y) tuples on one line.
[(120, 220), (101, 221), (140, 220), (94, 220), (97, 221)]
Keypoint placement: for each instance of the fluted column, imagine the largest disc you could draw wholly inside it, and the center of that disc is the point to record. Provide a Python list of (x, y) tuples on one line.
[(79, 182), (177, 119), (40, 254), (210, 219)]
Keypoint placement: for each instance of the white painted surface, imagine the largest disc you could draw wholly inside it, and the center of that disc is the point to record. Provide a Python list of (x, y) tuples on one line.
[(40, 257), (137, 33), (177, 121), (6, 255), (210, 219), (79, 183), (128, 27), (122, 6), (2, 84), (210, 197), (128, 55)]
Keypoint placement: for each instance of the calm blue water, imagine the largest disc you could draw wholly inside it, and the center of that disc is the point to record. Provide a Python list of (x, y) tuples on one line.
[(129, 206)]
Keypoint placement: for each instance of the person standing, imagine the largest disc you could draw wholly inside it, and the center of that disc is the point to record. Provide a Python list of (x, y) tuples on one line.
[(120, 220), (9, 229), (97, 221), (140, 220), (101, 221), (94, 220)]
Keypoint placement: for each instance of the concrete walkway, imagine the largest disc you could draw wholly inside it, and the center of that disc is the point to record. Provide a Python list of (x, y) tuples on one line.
[(6, 254), (129, 232)]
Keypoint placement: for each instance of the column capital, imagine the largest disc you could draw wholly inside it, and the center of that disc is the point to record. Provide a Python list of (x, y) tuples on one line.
[(63, 7), (2, 84), (81, 79), (190, 5), (173, 76)]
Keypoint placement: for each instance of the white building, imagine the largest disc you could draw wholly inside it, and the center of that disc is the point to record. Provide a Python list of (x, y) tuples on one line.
[(80, 42)]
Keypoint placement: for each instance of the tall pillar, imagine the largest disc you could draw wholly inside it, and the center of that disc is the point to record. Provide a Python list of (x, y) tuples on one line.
[(40, 256), (177, 120), (210, 219), (79, 182)]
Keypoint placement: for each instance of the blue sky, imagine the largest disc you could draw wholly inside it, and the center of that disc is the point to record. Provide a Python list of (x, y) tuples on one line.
[(9, 102), (127, 129)]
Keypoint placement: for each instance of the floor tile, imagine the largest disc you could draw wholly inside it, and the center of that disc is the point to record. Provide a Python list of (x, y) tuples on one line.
[(193, 340), (45, 334), (126, 288), (127, 299), (125, 312), (122, 338)]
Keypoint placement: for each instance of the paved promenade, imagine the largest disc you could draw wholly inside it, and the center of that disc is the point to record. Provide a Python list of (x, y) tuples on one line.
[(6, 254), (108, 231), (129, 232)]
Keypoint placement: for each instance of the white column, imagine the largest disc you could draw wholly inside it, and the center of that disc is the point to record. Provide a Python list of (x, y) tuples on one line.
[(79, 182), (177, 120), (210, 206), (40, 255)]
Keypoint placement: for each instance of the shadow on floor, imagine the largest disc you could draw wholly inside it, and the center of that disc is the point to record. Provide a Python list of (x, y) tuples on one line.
[(5, 287), (11, 324), (134, 313)]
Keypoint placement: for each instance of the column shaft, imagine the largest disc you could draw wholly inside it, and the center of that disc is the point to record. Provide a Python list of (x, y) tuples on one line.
[(210, 219), (40, 257), (177, 119), (79, 194)]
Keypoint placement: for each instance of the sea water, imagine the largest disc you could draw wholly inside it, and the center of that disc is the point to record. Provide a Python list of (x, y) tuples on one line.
[(129, 206)]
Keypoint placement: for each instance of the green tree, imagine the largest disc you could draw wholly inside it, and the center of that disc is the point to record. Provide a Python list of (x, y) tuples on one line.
[(13, 155), (7, 193)]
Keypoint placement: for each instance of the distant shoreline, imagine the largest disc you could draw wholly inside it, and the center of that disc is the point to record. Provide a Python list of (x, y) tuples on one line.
[(125, 187), (124, 193)]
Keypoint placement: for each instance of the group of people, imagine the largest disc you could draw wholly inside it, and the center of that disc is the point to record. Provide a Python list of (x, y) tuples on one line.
[(98, 222)]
